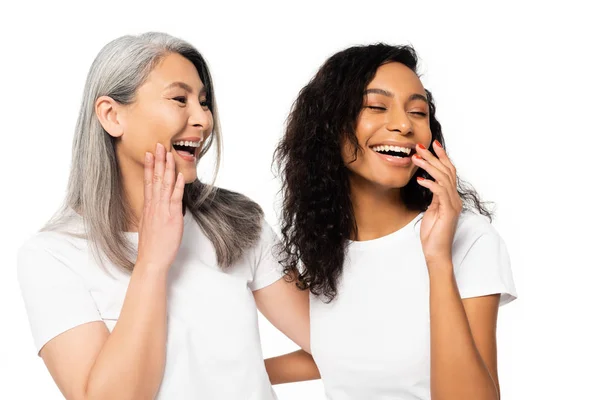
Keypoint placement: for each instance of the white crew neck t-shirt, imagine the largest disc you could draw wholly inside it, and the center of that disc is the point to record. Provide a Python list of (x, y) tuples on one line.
[(372, 341), (213, 344)]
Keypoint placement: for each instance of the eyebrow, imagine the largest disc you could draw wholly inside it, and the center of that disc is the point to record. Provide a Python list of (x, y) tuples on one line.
[(185, 87), (415, 96)]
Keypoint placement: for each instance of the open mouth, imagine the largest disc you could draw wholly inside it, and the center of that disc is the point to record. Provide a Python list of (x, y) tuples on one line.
[(187, 148), (394, 151)]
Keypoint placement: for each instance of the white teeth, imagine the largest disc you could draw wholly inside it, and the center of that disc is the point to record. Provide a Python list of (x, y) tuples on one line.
[(188, 143), (397, 149)]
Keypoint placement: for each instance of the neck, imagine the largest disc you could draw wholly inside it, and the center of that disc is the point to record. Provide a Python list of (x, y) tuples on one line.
[(132, 179), (378, 211)]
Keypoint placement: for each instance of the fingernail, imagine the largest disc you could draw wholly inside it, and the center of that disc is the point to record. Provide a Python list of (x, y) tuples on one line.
[(158, 145), (420, 178), (418, 156), (437, 143), (419, 145), (148, 157)]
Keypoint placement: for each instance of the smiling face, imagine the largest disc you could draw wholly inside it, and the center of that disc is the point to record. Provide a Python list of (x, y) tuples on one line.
[(169, 108), (394, 119)]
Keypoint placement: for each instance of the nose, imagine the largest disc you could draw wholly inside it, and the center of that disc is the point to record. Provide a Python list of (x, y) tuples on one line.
[(399, 122), (200, 117)]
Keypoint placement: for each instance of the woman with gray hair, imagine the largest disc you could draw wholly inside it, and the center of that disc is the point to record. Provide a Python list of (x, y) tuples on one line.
[(145, 284)]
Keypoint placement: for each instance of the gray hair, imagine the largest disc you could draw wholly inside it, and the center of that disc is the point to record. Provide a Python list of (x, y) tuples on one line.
[(231, 221)]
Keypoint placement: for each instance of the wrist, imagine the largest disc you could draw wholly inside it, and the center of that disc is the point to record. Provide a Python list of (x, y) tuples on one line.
[(150, 270), (440, 258), (440, 265)]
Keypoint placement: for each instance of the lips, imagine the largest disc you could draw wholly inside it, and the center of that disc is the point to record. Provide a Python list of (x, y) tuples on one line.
[(394, 161), (394, 153), (394, 148), (188, 147)]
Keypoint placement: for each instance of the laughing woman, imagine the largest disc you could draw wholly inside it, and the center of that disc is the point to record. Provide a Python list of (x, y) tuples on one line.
[(146, 284), (405, 271)]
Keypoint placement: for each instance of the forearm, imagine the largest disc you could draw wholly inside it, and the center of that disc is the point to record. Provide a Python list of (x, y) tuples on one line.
[(457, 369), (131, 362), (293, 367)]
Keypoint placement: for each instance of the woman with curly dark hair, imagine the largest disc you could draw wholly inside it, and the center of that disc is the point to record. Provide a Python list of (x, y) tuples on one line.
[(405, 271)]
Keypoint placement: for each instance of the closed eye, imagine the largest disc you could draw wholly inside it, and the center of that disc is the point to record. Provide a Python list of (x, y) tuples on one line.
[(377, 108), (422, 114)]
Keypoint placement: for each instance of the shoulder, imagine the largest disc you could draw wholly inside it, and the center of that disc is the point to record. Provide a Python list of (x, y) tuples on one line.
[(65, 233), (268, 237), (472, 225), (470, 229), (53, 243), (481, 259), (48, 250)]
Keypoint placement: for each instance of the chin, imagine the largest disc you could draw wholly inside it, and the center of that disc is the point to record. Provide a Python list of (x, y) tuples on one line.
[(392, 181), (393, 184), (190, 178), (189, 175)]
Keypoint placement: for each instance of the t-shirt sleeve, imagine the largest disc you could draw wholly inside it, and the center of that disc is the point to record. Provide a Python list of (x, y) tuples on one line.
[(485, 269), (55, 297), (267, 269)]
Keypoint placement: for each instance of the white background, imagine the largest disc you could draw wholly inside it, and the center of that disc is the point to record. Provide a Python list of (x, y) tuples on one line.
[(517, 93)]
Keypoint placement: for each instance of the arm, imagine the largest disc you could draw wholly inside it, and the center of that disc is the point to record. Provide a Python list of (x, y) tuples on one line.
[(87, 362), (298, 366), (463, 341), (287, 308), (463, 348)]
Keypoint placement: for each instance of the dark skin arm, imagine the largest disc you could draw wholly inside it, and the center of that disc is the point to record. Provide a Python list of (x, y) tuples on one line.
[(298, 366)]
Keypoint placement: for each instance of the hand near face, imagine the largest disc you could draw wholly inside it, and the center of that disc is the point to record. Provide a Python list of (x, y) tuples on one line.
[(439, 221), (161, 227)]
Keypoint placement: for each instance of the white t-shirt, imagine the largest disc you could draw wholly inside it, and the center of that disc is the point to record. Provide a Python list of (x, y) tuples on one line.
[(372, 341), (213, 344)]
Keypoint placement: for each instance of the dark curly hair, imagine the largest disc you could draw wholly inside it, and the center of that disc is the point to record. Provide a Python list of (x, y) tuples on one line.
[(317, 214)]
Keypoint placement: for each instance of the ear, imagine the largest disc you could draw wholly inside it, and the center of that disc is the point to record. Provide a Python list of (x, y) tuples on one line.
[(107, 111)]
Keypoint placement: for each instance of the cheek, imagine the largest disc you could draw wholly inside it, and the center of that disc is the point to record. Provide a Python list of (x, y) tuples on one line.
[(348, 153), (423, 134), (155, 124), (211, 120), (364, 130), (208, 129)]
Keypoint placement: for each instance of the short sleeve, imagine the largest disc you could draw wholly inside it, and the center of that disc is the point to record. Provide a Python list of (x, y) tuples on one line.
[(55, 297), (267, 269), (485, 269)]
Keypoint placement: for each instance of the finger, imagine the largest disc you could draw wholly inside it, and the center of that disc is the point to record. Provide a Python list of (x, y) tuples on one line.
[(437, 189), (432, 159), (159, 172), (148, 176), (177, 196), (435, 202), (168, 180), (440, 192), (440, 176), (444, 159)]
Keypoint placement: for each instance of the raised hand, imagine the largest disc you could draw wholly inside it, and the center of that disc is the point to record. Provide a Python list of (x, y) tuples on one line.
[(440, 219), (161, 225)]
